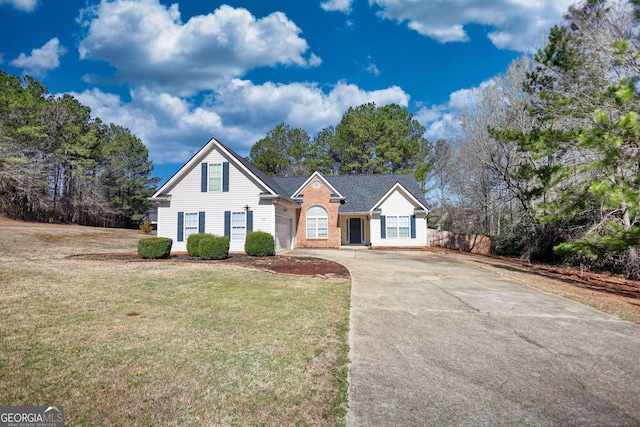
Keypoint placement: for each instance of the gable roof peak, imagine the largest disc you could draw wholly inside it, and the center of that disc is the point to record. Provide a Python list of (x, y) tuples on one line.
[(317, 175), (248, 168)]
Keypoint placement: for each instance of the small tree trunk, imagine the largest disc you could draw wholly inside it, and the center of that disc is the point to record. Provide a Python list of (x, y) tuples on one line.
[(632, 251)]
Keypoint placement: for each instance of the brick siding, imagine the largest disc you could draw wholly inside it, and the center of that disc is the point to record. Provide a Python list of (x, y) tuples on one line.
[(318, 197)]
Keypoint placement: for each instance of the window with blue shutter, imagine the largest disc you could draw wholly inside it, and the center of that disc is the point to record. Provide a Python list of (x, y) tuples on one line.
[(249, 221), (204, 178), (180, 226), (227, 223), (413, 226), (400, 227), (200, 222), (215, 177), (383, 227), (225, 177)]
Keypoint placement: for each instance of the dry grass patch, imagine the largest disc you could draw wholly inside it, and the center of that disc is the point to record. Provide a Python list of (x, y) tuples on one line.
[(165, 343)]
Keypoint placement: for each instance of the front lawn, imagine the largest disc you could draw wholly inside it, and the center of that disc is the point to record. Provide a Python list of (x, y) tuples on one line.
[(165, 343)]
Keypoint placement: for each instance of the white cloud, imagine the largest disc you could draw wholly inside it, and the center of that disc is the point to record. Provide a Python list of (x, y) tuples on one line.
[(185, 58), (337, 5), (443, 121), (372, 68), (41, 59), (23, 5), (302, 105), (440, 122), (169, 127), (518, 24), (242, 113), (427, 115), (314, 60)]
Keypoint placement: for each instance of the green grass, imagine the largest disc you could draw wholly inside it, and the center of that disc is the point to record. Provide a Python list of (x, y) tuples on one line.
[(166, 343)]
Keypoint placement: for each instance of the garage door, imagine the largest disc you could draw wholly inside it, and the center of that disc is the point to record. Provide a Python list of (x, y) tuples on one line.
[(283, 233)]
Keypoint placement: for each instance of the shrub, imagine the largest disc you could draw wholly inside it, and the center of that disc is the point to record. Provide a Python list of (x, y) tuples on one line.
[(146, 226), (259, 243), (154, 247), (214, 247), (510, 245), (193, 243)]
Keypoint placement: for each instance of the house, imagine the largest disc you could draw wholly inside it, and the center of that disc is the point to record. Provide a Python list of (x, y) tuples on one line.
[(219, 192)]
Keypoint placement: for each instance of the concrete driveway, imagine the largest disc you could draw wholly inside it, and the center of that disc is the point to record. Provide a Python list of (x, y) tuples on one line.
[(438, 343)]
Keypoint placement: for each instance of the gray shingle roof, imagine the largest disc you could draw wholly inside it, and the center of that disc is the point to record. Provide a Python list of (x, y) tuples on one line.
[(290, 184), (361, 192)]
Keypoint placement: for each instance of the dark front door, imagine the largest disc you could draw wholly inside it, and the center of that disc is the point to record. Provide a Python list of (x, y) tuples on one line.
[(355, 231)]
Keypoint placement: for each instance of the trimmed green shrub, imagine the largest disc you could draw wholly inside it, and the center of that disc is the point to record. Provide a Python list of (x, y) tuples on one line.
[(154, 248), (193, 243), (259, 243), (214, 247)]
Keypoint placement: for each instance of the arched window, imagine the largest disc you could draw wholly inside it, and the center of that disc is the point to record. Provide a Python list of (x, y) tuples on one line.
[(317, 223)]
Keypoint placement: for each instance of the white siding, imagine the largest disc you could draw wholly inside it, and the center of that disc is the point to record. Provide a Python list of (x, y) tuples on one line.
[(164, 222), (397, 204), (186, 196)]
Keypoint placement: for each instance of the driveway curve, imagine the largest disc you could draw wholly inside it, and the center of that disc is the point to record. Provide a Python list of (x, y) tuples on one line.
[(435, 342)]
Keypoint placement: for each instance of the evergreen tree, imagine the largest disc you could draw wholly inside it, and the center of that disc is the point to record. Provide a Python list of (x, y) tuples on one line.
[(283, 152), (385, 139)]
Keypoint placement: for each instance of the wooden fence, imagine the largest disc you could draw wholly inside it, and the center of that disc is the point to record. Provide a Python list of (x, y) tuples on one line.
[(474, 243)]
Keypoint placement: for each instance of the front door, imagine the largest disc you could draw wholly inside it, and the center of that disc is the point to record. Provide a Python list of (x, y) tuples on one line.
[(355, 231)]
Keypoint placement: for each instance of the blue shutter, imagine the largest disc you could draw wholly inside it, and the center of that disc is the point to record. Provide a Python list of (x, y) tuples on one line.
[(200, 222), (204, 178), (227, 223), (225, 177), (413, 226), (383, 227), (180, 226), (249, 221)]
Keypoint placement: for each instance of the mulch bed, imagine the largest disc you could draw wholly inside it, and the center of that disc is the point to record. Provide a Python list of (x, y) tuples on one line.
[(299, 266), (604, 282)]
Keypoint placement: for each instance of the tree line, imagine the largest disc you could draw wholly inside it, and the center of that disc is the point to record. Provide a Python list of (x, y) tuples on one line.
[(549, 159), (57, 164), (369, 139)]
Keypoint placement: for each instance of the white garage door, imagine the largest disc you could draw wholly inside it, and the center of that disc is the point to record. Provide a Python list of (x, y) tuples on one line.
[(283, 233)]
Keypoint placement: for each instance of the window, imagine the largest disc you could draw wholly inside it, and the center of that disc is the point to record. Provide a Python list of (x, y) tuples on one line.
[(317, 223), (238, 225), (190, 224), (398, 227), (215, 176)]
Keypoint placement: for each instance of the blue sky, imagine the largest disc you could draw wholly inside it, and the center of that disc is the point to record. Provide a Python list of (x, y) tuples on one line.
[(178, 73)]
